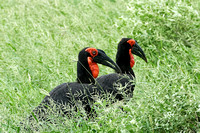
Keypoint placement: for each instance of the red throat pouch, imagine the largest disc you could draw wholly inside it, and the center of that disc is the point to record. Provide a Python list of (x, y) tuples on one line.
[(132, 62), (93, 67)]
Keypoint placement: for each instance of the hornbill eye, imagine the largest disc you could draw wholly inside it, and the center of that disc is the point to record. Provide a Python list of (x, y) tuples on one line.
[(94, 52)]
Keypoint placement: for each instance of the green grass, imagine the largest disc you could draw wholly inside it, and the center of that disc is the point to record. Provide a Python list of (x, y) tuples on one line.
[(40, 41)]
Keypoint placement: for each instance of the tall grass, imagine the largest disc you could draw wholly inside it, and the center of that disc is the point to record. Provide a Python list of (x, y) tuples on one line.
[(40, 41)]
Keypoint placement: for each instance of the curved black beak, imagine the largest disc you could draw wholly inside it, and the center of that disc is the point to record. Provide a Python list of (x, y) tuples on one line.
[(137, 50), (103, 59)]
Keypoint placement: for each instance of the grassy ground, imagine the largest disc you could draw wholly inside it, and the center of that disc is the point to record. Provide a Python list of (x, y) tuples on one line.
[(40, 41)]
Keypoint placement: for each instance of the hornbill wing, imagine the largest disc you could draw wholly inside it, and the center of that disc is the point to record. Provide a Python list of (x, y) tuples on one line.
[(66, 94), (73, 92), (116, 84)]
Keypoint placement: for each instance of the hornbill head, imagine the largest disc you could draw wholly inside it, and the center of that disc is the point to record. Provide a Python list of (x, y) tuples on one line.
[(88, 59), (135, 48)]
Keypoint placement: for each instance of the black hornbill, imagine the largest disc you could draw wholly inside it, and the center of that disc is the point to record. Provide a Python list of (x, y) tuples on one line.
[(74, 94), (110, 83)]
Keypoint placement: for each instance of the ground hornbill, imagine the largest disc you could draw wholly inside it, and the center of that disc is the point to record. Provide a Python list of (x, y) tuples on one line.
[(76, 94), (123, 84)]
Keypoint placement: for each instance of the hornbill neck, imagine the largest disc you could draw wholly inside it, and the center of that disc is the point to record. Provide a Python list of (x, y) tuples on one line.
[(123, 60), (84, 74)]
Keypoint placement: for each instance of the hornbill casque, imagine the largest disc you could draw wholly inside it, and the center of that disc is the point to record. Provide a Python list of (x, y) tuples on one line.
[(112, 82), (74, 94)]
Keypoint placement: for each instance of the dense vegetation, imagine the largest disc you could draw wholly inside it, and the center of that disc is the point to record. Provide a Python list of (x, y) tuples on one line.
[(40, 41)]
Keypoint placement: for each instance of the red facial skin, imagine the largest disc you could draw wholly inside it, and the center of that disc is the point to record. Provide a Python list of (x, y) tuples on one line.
[(132, 61), (93, 65), (131, 42)]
